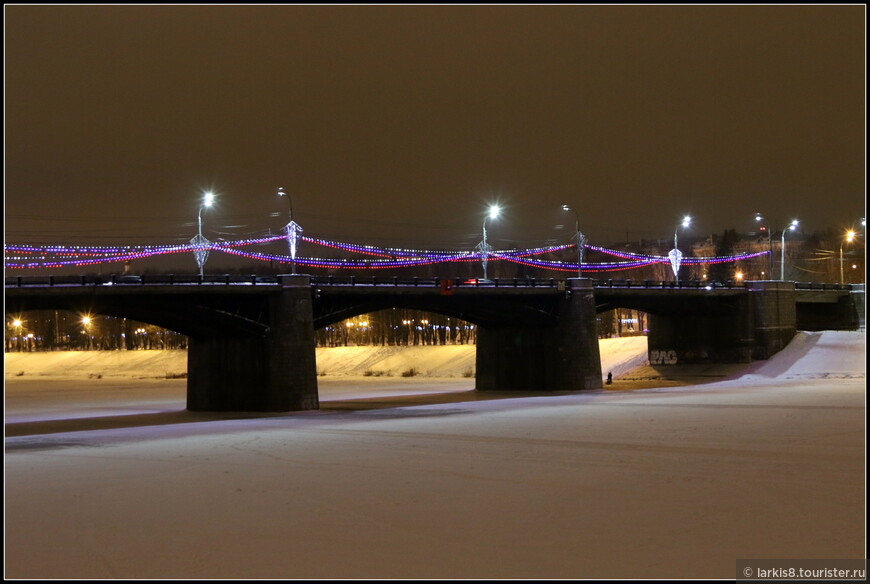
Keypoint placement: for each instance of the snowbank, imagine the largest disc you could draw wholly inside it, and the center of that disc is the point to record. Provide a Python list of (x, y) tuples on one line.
[(78, 364), (814, 355), (617, 355)]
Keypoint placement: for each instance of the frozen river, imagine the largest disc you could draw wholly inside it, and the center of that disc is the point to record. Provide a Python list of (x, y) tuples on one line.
[(425, 478)]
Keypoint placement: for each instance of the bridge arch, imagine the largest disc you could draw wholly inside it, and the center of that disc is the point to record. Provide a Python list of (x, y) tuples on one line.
[(397, 327), (479, 310), (252, 347), (194, 315)]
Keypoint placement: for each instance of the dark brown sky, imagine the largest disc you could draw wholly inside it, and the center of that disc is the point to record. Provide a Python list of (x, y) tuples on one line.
[(398, 125)]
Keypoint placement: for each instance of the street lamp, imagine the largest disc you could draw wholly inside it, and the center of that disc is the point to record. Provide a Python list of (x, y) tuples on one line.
[(200, 243), (292, 229), (86, 321), (675, 254), (581, 240), (791, 227), (759, 217), (850, 236), (483, 246), (18, 324)]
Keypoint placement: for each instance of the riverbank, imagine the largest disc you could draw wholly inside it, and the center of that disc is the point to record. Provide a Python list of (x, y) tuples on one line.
[(619, 356)]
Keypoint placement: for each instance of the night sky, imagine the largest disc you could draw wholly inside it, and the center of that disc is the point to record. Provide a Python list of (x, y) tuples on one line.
[(399, 125)]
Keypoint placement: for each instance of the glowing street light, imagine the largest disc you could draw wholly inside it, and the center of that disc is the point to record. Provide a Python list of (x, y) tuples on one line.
[(759, 217), (200, 243), (292, 229), (849, 238), (483, 246), (792, 226), (207, 201), (86, 321), (18, 324), (675, 254), (581, 240)]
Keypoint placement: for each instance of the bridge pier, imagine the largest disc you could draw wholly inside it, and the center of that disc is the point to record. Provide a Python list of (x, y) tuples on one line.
[(273, 373), (774, 307), (560, 357), (859, 302)]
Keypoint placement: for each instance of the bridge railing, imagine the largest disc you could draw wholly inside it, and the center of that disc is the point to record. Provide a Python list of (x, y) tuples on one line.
[(691, 284), (436, 282), (145, 279), (253, 279), (821, 286), (233, 279)]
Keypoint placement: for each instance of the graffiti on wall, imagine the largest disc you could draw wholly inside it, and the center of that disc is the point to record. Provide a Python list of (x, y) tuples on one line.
[(663, 357)]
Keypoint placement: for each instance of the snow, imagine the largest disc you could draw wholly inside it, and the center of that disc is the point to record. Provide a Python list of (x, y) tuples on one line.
[(425, 478), (618, 355)]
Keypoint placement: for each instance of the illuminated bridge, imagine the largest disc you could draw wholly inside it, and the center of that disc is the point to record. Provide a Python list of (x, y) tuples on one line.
[(252, 337)]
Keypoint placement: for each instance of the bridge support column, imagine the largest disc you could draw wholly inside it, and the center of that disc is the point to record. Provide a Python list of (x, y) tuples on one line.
[(773, 304), (859, 302), (560, 357), (275, 373)]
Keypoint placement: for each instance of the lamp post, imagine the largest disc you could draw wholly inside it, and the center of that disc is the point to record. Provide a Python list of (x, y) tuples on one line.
[(17, 325), (581, 240), (759, 217), (292, 229), (86, 322), (850, 236), (675, 254), (791, 227), (200, 243), (483, 246)]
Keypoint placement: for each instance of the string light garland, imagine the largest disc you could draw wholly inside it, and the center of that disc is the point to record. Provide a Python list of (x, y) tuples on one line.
[(25, 256)]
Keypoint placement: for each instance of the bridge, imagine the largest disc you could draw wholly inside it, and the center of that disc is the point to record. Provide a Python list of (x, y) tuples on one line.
[(251, 338)]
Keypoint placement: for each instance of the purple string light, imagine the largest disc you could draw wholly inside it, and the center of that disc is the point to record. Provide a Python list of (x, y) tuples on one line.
[(55, 256)]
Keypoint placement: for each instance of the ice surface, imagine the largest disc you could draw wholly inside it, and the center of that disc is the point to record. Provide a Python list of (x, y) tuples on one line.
[(111, 478)]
